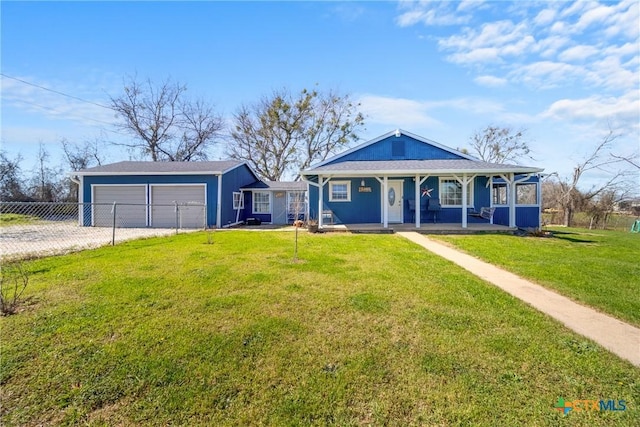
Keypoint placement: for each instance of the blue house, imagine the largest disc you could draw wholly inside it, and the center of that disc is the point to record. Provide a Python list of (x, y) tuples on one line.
[(275, 202), (404, 178), (163, 194)]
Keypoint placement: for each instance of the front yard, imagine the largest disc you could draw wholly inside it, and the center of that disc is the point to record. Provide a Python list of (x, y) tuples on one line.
[(594, 267), (226, 329)]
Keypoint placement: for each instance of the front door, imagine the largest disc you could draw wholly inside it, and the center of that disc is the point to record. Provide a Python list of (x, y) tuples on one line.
[(394, 199)]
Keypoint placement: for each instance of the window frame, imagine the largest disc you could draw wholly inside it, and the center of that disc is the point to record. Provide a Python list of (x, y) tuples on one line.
[(441, 193), (332, 184), (496, 185), (238, 200), (535, 193), (255, 202), (300, 198)]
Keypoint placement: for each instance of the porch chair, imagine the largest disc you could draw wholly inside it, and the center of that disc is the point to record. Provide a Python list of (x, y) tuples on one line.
[(412, 208), (485, 213), (433, 205)]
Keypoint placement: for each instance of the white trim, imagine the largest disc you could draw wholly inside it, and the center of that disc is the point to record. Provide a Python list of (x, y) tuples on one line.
[(93, 199), (526, 204), (347, 183), (240, 202), (151, 186), (253, 202), (470, 191)]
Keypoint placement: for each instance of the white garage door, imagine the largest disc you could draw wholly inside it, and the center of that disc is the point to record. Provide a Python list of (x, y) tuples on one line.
[(191, 206), (131, 209)]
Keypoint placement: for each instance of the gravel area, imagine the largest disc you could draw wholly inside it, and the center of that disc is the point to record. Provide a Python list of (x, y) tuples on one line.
[(28, 241)]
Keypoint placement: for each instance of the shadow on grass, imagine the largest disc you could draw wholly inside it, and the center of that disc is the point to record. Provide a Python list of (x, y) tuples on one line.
[(568, 236)]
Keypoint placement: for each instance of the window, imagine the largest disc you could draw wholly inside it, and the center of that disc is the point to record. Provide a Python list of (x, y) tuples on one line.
[(339, 191), (499, 194), (397, 149), (238, 201), (297, 202), (451, 193), (261, 202), (526, 194)]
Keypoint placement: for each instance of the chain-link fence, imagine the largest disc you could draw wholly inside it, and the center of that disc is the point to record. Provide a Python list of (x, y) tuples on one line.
[(29, 230)]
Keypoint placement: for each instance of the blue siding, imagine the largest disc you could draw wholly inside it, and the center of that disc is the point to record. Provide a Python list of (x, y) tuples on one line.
[(248, 208), (388, 149), (233, 181), (363, 207)]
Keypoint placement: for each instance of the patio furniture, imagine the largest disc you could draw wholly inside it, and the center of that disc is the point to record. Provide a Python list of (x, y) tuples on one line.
[(433, 206), (485, 213)]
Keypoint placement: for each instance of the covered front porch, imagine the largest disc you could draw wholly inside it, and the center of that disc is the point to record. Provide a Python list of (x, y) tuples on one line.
[(425, 228)]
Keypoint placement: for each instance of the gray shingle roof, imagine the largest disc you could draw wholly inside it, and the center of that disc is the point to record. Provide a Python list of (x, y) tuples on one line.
[(277, 185), (161, 168), (423, 166)]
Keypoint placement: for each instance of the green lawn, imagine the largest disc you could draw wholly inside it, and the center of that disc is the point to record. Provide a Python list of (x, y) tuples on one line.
[(7, 219), (364, 330), (595, 267)]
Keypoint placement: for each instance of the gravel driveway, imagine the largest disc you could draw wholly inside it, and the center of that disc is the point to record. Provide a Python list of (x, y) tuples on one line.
[(54, 238)]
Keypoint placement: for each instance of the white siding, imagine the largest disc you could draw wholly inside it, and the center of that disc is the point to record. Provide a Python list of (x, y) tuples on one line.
[(164, 198), (131, 209)]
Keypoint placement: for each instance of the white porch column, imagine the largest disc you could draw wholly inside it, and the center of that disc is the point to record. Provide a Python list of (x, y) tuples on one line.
[(417, 201), (385, 204), (464, 200), (321, 183), (219, 203), (512, 199)]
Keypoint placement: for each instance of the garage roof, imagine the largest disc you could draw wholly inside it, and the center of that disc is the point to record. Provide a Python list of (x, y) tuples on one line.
[(162, 168)]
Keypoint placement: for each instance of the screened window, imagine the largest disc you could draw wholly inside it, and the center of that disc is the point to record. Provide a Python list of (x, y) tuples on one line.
[(526, 194), (238, 201), (297, 202), (499, 194), (339, 191), (451, 193), (262, 202)]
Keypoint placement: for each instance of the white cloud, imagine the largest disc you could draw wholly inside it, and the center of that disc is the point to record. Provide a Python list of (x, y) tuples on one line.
[(544, 17), (397, 112), (623, 109), (434, 13), (490, 81), (34, 100), (578, 53)]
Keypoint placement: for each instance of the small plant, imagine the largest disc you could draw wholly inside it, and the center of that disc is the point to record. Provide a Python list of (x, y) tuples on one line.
[(13, 281), (210, 237), (312, 225)]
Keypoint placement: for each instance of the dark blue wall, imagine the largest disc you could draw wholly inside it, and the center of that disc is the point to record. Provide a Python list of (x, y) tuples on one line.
[(233, 181), (387, 149)]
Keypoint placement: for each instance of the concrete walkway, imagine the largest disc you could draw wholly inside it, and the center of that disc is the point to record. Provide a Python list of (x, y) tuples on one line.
[(616, 336)]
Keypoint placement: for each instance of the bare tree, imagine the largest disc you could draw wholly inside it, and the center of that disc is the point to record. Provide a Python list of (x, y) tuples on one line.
[(283, 133), (45, 182), (11, 185), (495, 144), (570, 198), (167, 126), (81, 156)]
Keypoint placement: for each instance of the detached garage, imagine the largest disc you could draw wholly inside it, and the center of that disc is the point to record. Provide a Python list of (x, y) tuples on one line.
[(161, 194)]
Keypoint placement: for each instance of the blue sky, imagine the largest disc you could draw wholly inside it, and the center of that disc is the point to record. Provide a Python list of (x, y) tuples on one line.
[(563, 70)]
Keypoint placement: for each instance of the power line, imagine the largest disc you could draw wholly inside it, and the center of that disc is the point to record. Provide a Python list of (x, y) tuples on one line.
[(55, 91), (60, 112)]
